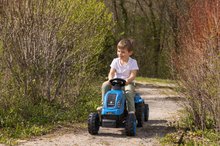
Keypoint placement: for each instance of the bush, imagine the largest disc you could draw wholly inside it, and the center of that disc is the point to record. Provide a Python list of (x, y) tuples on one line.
[(49, 53), (51, 48)]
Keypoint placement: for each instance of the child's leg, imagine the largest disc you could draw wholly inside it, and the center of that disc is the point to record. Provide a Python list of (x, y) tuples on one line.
[(105, 88), (130, 93)]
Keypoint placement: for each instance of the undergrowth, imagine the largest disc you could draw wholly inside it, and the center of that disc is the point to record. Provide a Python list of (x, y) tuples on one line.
[(25, 120), (188, 135)]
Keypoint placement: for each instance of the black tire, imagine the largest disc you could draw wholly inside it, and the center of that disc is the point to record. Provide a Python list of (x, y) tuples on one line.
[(146, 112), (130, 126), (140, 115), (93, 123)]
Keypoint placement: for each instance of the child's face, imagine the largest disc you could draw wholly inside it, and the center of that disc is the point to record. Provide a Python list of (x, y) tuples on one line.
[(123, 54)]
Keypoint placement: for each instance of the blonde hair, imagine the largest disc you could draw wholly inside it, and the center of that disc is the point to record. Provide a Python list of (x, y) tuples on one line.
[(125, 44)]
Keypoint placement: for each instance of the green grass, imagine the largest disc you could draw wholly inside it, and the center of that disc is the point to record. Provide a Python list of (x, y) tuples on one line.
[(192, 138), (22, 120), (154, 80)]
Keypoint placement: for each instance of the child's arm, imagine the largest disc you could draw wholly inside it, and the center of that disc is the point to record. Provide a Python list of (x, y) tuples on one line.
[(131, 77), (111, 73)]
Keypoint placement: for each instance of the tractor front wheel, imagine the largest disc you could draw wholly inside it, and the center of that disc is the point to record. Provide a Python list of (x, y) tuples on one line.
[(130, 126), (93, 123)]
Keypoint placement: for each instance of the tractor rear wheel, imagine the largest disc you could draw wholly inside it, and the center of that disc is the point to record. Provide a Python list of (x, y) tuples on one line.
[(146, 112), (140, 115)]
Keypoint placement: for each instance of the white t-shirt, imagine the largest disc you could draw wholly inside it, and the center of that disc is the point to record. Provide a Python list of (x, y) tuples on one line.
[(123, 71)]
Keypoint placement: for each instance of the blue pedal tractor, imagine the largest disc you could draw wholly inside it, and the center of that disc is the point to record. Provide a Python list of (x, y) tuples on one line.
[(114, 113)]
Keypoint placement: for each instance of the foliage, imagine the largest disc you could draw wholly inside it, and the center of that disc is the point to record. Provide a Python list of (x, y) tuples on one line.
[(185, 136), (52, 58), (205, 138), (27, 119), (149, 25), (49, 53)]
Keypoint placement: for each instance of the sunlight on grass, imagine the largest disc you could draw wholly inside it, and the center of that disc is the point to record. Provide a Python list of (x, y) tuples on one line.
[(154, 80)]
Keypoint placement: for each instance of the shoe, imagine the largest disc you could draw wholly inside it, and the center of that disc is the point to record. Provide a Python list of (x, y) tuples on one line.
[(99, 108), (132, 114)]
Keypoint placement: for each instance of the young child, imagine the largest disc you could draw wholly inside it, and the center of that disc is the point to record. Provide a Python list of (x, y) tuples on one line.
[(126, 68)]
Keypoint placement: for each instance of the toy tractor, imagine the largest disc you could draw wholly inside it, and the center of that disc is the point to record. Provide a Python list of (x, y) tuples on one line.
[(114, 112)]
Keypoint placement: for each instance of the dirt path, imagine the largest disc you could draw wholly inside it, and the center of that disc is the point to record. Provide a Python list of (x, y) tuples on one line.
[(163, 105)]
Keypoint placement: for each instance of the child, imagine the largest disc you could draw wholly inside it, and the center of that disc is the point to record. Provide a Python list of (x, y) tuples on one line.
[(126, 68)]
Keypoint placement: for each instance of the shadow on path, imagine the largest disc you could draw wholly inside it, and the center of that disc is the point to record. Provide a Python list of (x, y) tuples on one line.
[(155, 128), (151, 129)]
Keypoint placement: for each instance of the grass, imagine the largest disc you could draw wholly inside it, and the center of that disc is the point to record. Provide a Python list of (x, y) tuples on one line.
[(24, 120), (192, 138), (185, 135), (154, 80)]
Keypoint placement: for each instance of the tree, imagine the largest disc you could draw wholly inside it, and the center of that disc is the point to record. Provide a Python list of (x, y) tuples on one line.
[(198, 63), (148, 23)]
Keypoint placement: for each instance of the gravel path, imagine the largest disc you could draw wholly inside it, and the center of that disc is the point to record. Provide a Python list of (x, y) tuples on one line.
[(163, 105)]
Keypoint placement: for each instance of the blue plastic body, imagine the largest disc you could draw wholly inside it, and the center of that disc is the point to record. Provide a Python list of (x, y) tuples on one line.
[(117, 107), (138, 99)]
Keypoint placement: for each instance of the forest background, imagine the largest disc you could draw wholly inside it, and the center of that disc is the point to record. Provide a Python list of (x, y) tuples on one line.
[(55, 54)]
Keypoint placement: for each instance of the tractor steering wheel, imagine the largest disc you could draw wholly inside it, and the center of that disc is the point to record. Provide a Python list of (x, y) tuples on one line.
[(117, 81)]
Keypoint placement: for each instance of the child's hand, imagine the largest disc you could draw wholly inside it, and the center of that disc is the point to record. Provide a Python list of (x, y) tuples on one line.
[(126, 83), (109, 82)]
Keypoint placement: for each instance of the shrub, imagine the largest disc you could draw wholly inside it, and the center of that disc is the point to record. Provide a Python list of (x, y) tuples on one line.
[(49, 52)]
